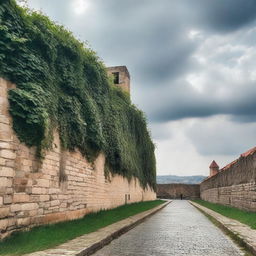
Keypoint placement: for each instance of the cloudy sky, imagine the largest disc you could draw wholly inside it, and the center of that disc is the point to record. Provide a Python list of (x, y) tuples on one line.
[(192, 65)]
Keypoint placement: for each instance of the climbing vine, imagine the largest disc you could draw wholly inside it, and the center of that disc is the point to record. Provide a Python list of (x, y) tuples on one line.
[(62, 84)]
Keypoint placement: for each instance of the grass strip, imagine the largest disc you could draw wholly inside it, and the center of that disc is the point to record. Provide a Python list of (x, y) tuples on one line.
[(245, 217), (48, 236)]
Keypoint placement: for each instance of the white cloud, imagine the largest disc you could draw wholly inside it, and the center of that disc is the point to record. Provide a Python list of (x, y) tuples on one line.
[(194, 34), (80, 6), (178, 155), (197, 81)]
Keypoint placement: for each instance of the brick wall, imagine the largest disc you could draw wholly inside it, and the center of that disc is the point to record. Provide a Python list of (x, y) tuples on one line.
[(31, 192), (189, 191), (234, 186)]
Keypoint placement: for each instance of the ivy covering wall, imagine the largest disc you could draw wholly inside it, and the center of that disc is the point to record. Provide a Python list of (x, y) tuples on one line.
[(62, 85)]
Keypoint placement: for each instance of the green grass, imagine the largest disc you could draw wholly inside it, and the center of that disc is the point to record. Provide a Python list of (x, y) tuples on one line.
[(248, 218), (44, 237)]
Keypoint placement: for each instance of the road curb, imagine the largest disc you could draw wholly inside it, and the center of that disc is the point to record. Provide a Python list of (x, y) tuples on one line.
[(95, 247), (239, 231)]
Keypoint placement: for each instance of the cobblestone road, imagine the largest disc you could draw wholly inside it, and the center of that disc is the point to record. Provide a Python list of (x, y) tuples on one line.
[(178, 229)]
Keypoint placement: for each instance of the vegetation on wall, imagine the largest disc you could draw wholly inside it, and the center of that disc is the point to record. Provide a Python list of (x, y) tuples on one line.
[(62, 85)]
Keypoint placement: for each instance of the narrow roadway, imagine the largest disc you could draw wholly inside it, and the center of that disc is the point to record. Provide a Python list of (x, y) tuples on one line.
[(178, 229)]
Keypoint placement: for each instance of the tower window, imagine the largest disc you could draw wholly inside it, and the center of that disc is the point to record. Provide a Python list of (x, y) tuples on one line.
[(116, 77)]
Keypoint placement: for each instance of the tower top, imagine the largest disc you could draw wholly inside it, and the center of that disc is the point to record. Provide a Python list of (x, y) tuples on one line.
[(214, 168), (121, 77), (214, 165)]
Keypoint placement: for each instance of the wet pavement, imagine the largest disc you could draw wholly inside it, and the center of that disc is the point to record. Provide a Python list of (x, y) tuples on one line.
[(178, 229)]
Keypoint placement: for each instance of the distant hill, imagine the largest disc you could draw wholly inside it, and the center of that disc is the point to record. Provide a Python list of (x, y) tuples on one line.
[(166, 179)]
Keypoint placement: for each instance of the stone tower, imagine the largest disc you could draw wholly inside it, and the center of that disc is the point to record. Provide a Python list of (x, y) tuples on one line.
[(121, 77), (214, 168)]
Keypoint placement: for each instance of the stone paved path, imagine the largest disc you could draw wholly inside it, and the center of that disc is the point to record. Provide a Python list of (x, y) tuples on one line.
[(178, 229)]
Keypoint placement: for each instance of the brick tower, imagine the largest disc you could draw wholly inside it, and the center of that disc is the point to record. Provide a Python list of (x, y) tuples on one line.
[(214, 168), (121, 77)]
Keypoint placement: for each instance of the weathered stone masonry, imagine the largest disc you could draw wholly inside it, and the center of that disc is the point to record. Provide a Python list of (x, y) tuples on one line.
[(62, 186), (173, 191), (233, 185)]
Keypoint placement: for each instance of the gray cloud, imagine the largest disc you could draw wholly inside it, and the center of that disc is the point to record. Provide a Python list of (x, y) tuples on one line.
[(244, 118), (239, 104), (219, 136), (225, 16), (151, 38)]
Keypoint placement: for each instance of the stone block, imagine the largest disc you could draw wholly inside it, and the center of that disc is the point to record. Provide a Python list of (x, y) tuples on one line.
[(4, 212), (25, 168), (8, 190), (63, 205), (20, 181), (6, 144), (55, 202), (19, 174), (20, 189), (21, 214), (63, 197), (6, 171), (4, 119), (5, 182), (9, 163), (30, 183), (34, 198), (5, 128), (11, 223), (38, 191), (23, 221), (2, 161), (24, 207), (15, 207), (33, 213), (29, 206), (3, 224), (9, 154), (43, 183), (7, 199), (40, 211), (43, 198), (27, 162), (54, 191), (6, 135), (28, 190), (53, 197), (20, 198)]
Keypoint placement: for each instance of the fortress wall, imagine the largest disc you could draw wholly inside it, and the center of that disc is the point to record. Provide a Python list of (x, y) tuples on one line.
[(62, 186), (235, 186), (172, 191)]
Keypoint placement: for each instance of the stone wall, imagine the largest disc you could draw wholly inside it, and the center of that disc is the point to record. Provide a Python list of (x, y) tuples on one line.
[(62, 186), (233, 186), (172, 191), (124, 77)]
